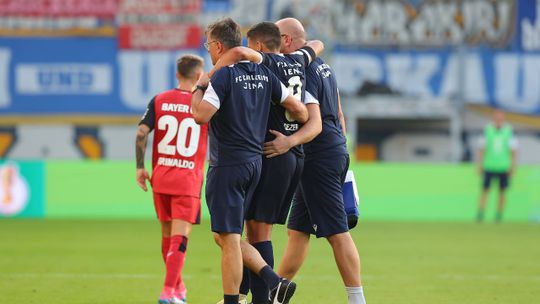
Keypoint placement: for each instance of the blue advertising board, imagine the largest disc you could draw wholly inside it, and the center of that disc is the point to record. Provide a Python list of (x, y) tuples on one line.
[(80, 76), (504, 79)]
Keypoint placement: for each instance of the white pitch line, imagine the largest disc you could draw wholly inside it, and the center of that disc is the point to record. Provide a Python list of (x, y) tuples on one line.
[(444, 277), (146, 276), (488, 277), (61, 275)]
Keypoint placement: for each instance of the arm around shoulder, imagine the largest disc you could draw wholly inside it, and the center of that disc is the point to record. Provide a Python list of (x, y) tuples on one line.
[(281, 144), (296, 109), (317, 46), (234, 55), (204, 101), (311, 128), (202, 109)]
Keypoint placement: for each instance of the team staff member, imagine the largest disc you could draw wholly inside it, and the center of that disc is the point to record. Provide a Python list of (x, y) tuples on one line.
[(318, 207), (496, 160), (237, 103), (179, 150)]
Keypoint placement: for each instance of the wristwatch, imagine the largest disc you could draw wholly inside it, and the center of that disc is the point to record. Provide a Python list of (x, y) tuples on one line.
[(199, 87)]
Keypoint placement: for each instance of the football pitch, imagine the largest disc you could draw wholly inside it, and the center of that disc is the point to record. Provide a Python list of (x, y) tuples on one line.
[(91, 261)]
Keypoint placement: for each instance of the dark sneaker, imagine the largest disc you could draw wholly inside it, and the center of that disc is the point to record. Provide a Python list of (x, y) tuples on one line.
[(283, 292)]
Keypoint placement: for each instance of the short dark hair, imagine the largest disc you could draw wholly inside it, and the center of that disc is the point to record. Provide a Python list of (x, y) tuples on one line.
[(227, 32), (267, 33), (187, 65)]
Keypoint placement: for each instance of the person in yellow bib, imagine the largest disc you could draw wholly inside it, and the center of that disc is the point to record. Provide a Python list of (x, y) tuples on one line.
[(496, 160)]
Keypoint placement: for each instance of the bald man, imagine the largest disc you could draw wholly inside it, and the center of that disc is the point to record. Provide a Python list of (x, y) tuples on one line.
[(318, 207)]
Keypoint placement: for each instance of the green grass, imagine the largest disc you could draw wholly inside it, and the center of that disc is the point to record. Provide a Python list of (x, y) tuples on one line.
[(90, 261)]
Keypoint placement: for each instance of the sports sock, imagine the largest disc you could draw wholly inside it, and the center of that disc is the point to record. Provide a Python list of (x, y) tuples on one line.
[(269, 277), (480, 216), (165, 244), (180, 291), (355, 295), (246, 279), (259, 290), (175, 262), (498, 217), (230, 299)]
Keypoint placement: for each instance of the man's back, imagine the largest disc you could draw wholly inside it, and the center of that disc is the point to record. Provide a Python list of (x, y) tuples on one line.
[(179, 146), (242, 94), (322, 85)]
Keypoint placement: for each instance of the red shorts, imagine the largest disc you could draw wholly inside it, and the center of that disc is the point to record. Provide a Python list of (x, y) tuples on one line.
[(168, 207)]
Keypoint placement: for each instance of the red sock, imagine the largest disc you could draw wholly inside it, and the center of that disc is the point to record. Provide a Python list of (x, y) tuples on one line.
[(165, 244), (180, 290), (175, 262)]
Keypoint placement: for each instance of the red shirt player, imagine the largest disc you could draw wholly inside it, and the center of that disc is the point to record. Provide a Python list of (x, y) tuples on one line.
[(179, 150)]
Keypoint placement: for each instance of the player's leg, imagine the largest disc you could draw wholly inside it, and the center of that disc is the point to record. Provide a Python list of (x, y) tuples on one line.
[(231, 265), (503, 185), (347, 258), (227, 191), (272, 202), (180, 231), (165, 239), (186, 211), (258, 231), (348, 263), (244, 285), (163, 212), (281, 289), (254, 261), (259, 236), (295, 253), (324, 199), (483, 196), (300, 228), (500, 206), (162, 204)]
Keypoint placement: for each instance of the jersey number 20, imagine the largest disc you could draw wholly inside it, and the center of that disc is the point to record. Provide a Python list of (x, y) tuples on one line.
[(186, 147)]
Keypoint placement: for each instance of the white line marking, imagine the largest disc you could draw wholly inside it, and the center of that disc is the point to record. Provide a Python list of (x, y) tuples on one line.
[(147, 276), (488, 277), (60, 275)]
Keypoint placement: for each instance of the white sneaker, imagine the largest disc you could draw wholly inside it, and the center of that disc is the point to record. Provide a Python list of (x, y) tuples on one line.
[(173, 300)]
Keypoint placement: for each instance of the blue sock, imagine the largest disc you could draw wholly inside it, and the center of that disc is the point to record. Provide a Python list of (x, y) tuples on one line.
[(230, 299), (259, 287), (244, 286)]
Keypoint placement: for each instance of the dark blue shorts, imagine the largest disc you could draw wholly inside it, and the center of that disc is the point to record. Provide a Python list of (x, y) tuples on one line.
[(501, 176), (318, 204), (279, 179), (229, 189)]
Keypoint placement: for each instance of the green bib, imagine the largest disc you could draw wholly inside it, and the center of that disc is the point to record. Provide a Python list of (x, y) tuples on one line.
[(497, 151)]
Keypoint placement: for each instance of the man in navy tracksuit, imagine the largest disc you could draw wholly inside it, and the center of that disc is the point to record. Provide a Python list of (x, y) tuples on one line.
[(236, 101)]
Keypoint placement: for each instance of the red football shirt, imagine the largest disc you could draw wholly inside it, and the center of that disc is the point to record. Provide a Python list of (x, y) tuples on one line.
[(179, 147)]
